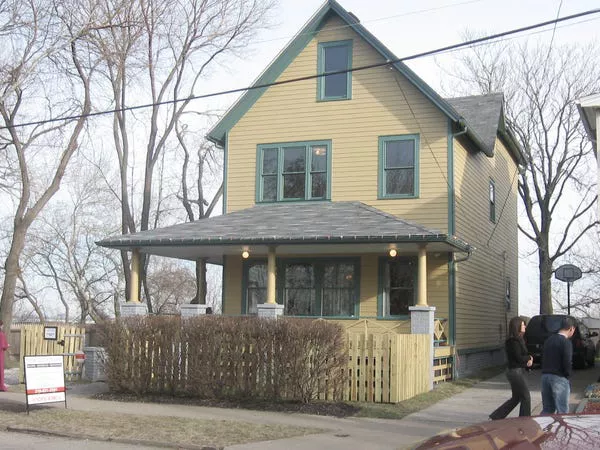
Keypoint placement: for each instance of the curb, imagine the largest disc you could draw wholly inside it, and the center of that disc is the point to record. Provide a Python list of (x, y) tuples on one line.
[(25, 430)]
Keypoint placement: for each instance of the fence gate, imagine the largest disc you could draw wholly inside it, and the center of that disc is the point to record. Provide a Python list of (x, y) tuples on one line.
[(66, 340)]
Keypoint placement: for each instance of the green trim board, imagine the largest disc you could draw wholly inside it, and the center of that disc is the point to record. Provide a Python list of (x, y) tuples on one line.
[(385, 165), (277, 170), (451, 298), (293, 49), (322, 67), (223, 297), (450, 178), (271, 73), (225, 165), (318, 288)]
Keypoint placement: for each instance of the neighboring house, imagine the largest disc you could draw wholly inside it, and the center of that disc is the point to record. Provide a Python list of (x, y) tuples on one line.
[(358, 195), (589, 110)]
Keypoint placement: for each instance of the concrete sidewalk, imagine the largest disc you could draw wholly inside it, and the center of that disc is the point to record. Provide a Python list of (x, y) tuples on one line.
[(469, 407)]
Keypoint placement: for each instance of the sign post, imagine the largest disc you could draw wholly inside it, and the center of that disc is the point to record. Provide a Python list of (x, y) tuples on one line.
[(44, 380), (568, 273)]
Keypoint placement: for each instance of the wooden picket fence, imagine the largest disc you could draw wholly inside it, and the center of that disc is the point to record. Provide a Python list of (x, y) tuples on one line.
[(387, 368), (32, 343)]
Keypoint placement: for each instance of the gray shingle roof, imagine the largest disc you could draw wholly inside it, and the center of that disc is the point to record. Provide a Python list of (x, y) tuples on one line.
[(302, 222), (484, 114)]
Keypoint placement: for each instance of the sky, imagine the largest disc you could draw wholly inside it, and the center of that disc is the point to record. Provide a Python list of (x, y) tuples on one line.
[(414, 26)]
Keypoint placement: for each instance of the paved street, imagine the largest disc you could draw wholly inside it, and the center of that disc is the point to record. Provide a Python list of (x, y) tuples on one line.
[(469, 407)]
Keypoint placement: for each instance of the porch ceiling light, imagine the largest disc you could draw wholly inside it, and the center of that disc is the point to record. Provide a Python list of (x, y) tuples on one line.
[(393, 252), (245, 254)]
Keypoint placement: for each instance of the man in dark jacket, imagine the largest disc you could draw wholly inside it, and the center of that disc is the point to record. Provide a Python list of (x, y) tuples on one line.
[(556, 369)]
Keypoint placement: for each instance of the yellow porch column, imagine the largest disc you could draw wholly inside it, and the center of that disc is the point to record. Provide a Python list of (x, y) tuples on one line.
[(422, 292), (134, 284), (271, 276)]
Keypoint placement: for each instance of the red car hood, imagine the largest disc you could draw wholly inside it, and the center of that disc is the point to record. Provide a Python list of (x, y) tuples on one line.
[(556, 432)]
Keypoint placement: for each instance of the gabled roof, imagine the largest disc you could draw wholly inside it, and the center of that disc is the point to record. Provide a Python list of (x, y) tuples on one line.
[(288, 54), (289, 223), (485, 113)]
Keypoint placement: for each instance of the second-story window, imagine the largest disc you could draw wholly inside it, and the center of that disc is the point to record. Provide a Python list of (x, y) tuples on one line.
[(335, 57), (398, 166), (492, 201), (294, 171)]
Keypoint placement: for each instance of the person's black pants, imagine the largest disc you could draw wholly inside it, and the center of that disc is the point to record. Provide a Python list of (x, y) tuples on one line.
[(520, 394)]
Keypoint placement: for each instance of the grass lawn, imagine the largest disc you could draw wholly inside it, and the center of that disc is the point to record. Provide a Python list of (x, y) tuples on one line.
[(217, 433), (151, 429)]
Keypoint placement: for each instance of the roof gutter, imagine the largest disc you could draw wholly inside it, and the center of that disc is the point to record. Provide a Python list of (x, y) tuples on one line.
[(463, 258)]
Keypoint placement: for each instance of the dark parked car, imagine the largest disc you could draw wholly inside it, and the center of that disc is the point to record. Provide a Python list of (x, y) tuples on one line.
[(563, 432), (540, 327)]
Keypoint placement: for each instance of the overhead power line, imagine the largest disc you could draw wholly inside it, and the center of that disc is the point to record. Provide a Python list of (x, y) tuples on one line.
[(310, 77), (379, 19)]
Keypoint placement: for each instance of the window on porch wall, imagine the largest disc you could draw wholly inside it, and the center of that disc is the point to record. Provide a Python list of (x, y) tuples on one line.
[(400, 282), (317, 288), (256, 290)]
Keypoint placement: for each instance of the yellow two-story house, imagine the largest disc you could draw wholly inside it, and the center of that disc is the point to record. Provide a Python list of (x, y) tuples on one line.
[(354, 192)]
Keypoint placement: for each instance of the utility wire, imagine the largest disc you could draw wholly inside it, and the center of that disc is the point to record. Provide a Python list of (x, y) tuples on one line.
[(517, 168), (311, 77), (379, 19)]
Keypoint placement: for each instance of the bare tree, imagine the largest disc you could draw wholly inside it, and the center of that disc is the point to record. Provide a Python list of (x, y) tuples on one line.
[(541, 83), (45, 75), (161, 58), (170, 284), (205, 157), (84, 276)]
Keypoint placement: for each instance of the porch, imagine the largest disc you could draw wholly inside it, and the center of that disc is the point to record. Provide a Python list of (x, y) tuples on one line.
[(386, 273)]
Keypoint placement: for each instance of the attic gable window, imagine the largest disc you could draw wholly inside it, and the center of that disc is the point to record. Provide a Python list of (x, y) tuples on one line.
[(399, 166), (293, 171), (333, 57)]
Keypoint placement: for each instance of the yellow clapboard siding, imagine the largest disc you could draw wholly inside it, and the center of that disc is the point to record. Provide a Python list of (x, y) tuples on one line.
[(481, 313), (368, 286), (378, 107)]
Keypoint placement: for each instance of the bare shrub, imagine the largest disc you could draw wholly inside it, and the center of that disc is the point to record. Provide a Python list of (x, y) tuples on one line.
[(226, 357)]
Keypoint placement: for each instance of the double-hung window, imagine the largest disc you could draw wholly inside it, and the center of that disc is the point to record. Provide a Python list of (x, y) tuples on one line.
[(294, 171), (399, 166), (334, 57), (398, 287), (255, 279)]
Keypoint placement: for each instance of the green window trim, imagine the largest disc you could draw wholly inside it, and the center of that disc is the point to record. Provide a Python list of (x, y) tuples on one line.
[(383, 283), (492, 200), (384, 166), (312, 171), (319, 284), (323, 47)]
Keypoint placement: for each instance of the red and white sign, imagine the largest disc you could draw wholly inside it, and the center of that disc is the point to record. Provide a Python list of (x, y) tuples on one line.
[(44, 379)]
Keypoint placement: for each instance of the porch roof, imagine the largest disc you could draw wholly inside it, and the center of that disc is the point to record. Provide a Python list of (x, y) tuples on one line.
[(299, 227)]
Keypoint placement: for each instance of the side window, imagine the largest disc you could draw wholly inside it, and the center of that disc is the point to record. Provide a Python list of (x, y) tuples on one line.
[(492, 201), (256, 286), (334, 57), (399, 285), (399, 166), (293, 171)]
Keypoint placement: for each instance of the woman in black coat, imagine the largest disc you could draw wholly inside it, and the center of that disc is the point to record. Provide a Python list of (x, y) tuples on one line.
[(518, 361)]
